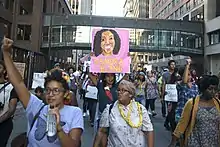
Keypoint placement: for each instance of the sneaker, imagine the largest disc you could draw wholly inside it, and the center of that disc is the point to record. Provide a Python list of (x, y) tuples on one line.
[(87, 112), (167, 127), (84, 114), (154, 113)]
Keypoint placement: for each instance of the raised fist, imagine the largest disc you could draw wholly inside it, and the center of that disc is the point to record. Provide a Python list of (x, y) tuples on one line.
[(188, 61), (7, 44)]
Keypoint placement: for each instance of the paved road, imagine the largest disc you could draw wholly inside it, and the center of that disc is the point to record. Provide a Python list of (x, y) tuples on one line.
[(162, 137)]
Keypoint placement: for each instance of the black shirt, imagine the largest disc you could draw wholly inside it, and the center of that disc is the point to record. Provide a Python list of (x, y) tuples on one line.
[(103, 98)]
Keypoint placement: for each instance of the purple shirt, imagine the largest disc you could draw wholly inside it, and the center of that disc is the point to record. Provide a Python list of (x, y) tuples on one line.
[(71, 117)]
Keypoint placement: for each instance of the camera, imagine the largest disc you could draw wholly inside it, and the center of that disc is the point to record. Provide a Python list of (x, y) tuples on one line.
[(1, 106)]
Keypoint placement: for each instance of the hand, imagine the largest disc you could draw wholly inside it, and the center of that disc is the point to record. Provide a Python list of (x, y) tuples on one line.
[(92, 54), (7, 44), (188, 61), (56, 112)]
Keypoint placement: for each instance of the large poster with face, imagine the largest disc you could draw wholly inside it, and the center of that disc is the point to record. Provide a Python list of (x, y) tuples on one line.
[(110, 48)]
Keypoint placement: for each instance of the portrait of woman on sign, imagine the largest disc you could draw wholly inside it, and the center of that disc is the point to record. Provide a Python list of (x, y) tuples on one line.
[(106, 43)]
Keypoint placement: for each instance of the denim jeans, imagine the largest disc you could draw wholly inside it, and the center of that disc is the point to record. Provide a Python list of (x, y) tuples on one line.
[(140, 99)]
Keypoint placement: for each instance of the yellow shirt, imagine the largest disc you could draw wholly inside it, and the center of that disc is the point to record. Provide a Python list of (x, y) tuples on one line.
[(184, 120)]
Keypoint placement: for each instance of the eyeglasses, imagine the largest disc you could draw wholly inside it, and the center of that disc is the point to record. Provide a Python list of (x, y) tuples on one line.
[(55, 91), (122, 90), (212, 88)]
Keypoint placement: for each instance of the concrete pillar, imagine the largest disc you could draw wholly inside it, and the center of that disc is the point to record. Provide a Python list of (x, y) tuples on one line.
[(209, 9), (49, 6), (16, 9), (36, 23)]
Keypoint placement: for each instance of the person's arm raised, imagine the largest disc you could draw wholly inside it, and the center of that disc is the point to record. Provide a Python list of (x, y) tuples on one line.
[(13, 74)]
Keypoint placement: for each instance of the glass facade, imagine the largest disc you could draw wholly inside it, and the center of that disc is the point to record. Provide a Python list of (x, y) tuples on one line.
[(170, 11), (142, 39)]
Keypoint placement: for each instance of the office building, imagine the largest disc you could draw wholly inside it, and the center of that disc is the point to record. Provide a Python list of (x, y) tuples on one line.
[(178, 9), (212, 36), (195, 10), (137, 9), (81, 7), (186, 10)]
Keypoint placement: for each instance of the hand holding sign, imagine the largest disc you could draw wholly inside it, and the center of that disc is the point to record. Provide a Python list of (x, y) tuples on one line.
[(171, 93), (188, 61)]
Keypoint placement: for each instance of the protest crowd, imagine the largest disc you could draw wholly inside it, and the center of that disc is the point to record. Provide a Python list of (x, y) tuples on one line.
[(120, 106)]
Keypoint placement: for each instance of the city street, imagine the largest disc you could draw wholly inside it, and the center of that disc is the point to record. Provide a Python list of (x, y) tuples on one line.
[(162, 136)]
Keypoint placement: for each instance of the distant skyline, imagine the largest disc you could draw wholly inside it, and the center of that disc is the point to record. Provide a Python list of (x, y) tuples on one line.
[(109, 7)]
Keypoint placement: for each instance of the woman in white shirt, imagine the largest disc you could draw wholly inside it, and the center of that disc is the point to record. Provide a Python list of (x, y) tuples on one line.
[(126, 122)]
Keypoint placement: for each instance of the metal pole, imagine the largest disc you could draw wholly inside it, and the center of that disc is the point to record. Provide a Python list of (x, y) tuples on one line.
[(31, 55), (50, 37), (49, 43), (76, 62)]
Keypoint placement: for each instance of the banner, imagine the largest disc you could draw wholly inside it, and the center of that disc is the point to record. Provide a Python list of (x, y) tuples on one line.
[(171, 93), (110, 48), (38, 80), (21, 68)]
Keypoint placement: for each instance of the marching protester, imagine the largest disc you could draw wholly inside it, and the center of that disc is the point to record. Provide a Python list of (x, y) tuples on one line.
[(67, 127), (186, 89), (140, 84), (125, 121), (169, 77), (200, 120), (39, 92), (73, 81), (152, 92), (92, 99), (8, 103)]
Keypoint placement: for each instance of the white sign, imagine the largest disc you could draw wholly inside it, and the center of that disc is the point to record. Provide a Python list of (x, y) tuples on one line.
[(38, 80), (92, 92), (171, 93)]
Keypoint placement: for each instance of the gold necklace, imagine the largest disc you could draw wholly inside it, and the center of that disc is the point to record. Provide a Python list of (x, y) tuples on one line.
[(128, 118)]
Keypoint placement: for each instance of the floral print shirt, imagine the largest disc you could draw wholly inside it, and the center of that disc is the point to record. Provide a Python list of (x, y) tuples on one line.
[(120, 133)]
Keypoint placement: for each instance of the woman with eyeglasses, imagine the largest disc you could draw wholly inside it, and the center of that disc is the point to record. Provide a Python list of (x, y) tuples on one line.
[(69, 120), (126, 122)]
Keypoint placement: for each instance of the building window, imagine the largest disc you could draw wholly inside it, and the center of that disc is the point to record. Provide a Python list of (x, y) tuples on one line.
[(45, 6), (63, 10), (23, 11), (23, 32), (177, 13), (188, 6), (182, 10), (45, 34), (9, 4), (59, 7), (214, 37)]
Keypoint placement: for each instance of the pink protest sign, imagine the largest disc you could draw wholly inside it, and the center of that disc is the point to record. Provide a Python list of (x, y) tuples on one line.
[(110, 48)]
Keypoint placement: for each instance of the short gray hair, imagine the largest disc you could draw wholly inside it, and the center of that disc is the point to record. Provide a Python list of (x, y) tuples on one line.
[(129, 86)]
